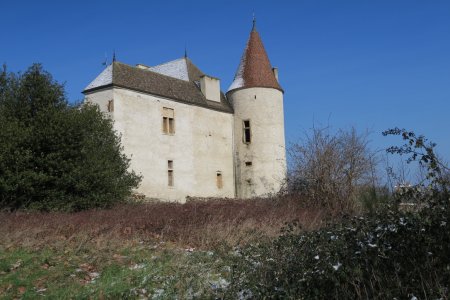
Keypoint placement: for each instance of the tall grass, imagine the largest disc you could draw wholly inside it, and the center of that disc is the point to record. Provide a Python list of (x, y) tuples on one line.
[(201, 224)]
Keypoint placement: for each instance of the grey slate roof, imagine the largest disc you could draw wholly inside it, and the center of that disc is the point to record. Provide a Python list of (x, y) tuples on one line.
[(147, 81), (181, 68)]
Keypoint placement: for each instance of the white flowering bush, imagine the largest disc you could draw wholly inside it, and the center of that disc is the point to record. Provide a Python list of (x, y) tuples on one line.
[(391, 253)]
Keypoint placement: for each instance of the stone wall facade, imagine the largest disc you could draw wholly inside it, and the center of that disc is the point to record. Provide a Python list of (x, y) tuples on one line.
[(199, 151)]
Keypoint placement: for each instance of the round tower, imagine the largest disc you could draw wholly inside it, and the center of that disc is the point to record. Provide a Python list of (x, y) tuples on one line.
[(259, 144)]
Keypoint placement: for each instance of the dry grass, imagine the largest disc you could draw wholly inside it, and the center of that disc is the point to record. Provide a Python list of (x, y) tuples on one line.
[(197, 223)]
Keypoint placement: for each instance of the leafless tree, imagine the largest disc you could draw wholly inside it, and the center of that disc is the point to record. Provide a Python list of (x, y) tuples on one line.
[(331, 168)]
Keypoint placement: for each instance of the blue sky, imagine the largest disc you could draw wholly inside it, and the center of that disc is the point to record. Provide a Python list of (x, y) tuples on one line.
[(368, 64)]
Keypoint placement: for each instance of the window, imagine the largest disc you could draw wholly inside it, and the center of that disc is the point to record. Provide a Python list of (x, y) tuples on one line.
[(219, 180), (248, 163), (171, 126), (170, 172), (168, 125), (247, 132), (110, 107)]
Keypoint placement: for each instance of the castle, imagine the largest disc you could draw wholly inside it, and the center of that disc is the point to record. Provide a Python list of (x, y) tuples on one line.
[(188, 138)]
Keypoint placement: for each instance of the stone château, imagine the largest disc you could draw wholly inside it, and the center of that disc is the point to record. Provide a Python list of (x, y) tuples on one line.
[(188, 138)]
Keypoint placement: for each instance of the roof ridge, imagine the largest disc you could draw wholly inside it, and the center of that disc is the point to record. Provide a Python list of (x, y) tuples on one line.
[(149, 70), (194, 72), (170, 61)]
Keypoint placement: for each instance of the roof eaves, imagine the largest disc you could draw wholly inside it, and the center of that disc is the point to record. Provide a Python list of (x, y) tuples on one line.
[(254, 86), (98, 88), (225, 108)]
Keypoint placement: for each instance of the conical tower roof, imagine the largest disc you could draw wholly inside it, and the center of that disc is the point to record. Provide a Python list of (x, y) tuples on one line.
[(254, 69)]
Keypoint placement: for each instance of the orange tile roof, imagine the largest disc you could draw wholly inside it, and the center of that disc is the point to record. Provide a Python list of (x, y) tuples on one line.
[(254, 69)]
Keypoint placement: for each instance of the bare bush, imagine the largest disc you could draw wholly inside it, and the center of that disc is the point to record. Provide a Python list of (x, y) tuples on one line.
[(331, 169)]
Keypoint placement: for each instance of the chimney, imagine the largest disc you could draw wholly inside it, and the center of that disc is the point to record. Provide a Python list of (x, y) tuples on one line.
[(275, 72), (210, 87)]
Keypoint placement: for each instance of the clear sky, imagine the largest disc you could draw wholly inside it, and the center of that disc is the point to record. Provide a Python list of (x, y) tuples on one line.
[(368, 64)]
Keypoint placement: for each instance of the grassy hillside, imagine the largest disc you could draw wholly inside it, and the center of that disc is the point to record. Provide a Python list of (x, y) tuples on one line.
[(157, 250)]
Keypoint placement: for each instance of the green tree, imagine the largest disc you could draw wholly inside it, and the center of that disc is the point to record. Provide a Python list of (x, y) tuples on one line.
[(54, 156)]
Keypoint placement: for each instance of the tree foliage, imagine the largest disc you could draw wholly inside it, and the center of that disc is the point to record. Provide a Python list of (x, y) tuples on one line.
[(419, 149), (54, 156)]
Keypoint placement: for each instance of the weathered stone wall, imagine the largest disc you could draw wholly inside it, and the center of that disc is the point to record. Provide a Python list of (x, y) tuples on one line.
[(201, 146)]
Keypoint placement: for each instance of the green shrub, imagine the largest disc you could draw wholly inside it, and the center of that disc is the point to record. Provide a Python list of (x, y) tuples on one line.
[(390, 253), (383, 256), (54, 156)]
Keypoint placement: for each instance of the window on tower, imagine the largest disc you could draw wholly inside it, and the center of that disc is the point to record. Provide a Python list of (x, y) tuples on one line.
[(170, 172), (247, 133)]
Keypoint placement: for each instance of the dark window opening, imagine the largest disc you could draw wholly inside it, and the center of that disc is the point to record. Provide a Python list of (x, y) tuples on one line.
[(170, 172), (171, 126), (247, 132), (165, 125), (248, 163)]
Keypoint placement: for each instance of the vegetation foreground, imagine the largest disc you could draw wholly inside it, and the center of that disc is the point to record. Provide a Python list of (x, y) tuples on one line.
[(136, 269), (157, 250), (225, 249)]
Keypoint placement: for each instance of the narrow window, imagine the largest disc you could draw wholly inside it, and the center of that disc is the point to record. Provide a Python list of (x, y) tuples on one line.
[(165, 125), (248, 163), (168, 121), (219, 180), (247, 132), (110, 107), (170, 172), (170, 177), (171, 126)]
